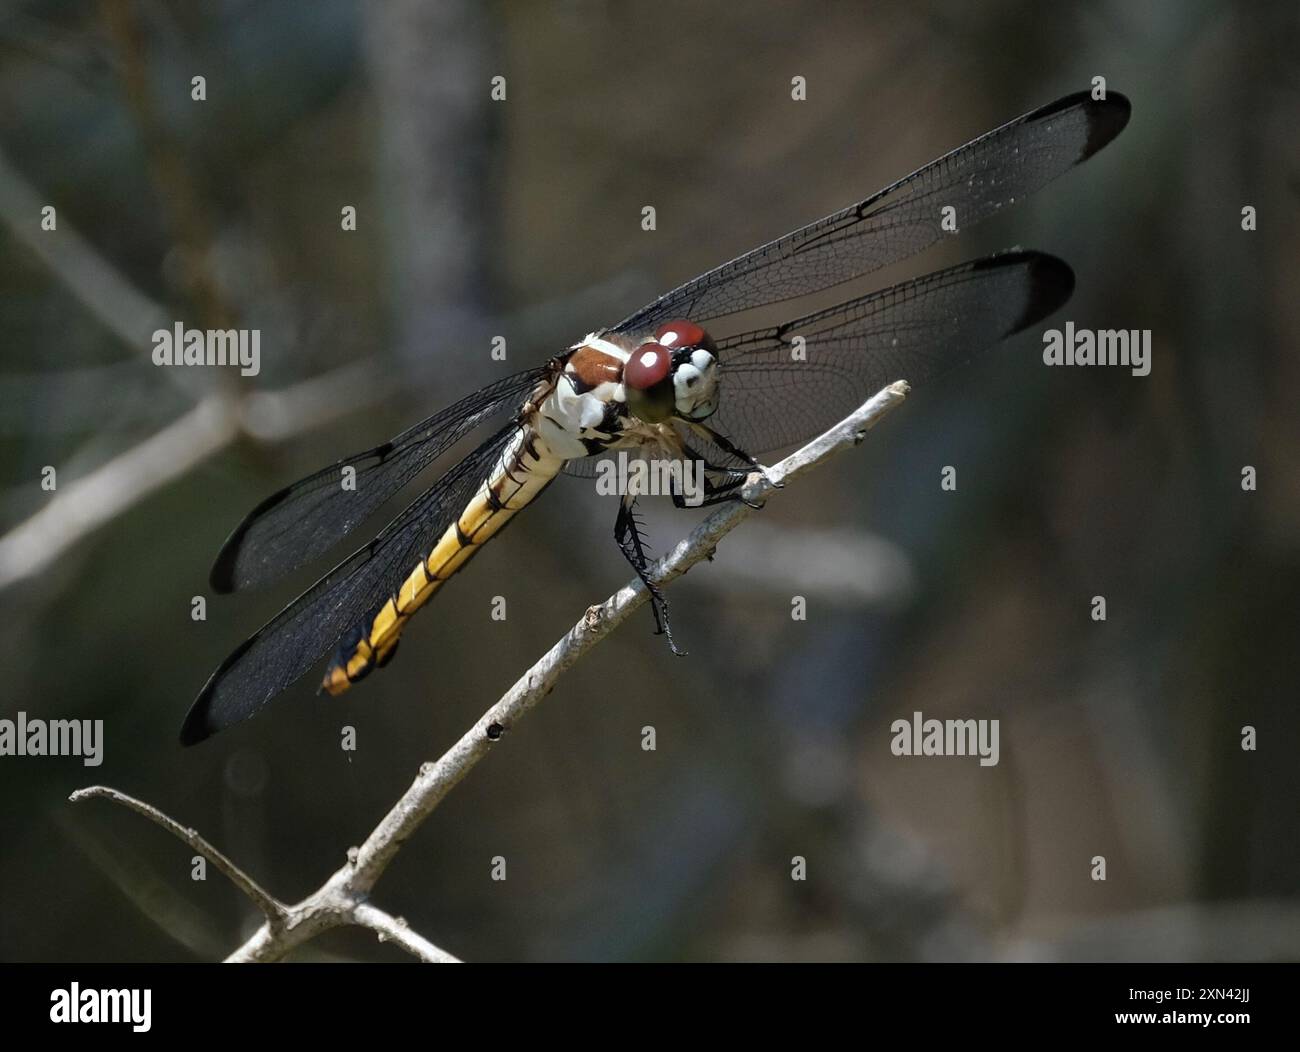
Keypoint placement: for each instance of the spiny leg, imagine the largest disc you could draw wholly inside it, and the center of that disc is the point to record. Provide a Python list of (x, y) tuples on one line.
[(727, 446), (734, 475), (628, 536), (714, 492), (725, 492)]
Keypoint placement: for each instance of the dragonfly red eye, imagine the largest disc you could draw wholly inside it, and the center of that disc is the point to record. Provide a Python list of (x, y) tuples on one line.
[(681, 333), (650, 364)]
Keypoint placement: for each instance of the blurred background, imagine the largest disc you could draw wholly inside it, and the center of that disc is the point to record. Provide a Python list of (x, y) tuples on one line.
[(521, 218)]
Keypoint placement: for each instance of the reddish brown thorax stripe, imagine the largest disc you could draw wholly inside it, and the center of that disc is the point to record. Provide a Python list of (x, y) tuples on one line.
[(593, 367)]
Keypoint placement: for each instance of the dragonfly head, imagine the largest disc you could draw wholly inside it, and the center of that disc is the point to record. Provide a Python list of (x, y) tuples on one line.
[(673, 373)]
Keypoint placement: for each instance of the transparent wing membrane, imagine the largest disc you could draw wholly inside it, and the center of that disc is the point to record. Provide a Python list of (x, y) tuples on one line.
[(305, 520), (978, 179), (773, 397), (284, 649)]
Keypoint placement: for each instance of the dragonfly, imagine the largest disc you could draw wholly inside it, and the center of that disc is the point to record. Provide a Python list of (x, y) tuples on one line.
[(657, 384)]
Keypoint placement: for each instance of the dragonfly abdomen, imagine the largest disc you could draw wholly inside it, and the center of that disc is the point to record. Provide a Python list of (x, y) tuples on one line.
[(524, 470)]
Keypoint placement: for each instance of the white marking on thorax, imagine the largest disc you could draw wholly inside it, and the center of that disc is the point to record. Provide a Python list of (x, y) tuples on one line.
[(619, 354), (565, 417)]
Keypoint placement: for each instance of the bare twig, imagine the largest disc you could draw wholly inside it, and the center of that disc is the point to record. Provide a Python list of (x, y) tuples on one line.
[(343, 909), (122, 308), (273, 910), (87, 503), (83, 505), (274, 416), (395, 929), (216, 419)]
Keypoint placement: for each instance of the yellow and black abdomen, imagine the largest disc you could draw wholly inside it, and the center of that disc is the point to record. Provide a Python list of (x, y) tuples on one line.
[(521, 475)]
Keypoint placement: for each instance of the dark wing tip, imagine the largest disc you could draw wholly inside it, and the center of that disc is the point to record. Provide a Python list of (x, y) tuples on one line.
[(195, 728), (1050, 284), (204, 718), (1106, 117), (225, 575), (222, 574), (198, 726)]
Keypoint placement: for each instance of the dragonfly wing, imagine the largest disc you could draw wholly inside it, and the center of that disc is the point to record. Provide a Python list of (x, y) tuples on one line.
[(977, 180), (306, 519), (284, 649), (586, 467), (773, 398)]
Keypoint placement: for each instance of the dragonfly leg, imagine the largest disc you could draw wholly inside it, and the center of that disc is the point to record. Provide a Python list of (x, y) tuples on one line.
[(727, 446), (628, 536), (714, 492), (725, 491), (716, 469), (733, 477)]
